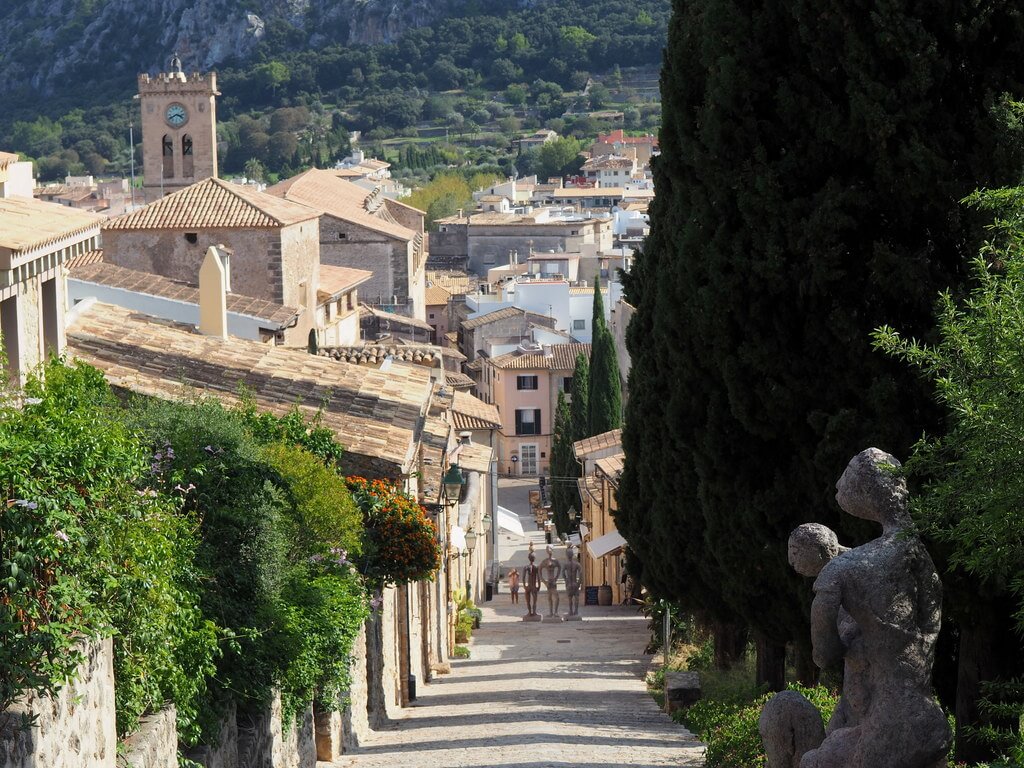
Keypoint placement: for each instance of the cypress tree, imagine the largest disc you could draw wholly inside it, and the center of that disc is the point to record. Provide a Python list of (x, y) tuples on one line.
[(597, 321), (564, 493), (579, 407), (807, 192), (605, 398)]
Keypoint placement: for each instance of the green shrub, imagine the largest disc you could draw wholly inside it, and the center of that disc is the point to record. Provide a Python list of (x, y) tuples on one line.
[(460, 652), (205, 450), (278, 526), (729, 728), (324, 518), (89, 547), (324, 614)]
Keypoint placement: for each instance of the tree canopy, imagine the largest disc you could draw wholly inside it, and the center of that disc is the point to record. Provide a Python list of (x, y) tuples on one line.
[(807, 192), (605, 397)]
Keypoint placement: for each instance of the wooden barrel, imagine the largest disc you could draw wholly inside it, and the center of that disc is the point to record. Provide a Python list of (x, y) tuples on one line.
[(604, 595)]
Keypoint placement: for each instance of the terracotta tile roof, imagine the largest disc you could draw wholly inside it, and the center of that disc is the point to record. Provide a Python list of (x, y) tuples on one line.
[(458, 381), (89, 257), (26, 223), (562, 358), (619, 136), (452, 338), (375, 354), (332, 195), (470, 412), (589, 486), (590, 445), (606, 161), (476, 365), (214, 204), (454, 354), (611, 466), (114, 276), (435, 442), (375, 414), (394, 317), (436, 296), (453, 281), (335, 280), (504, 314)]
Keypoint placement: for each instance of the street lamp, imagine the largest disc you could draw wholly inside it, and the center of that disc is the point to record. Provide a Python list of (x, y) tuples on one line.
[(453, 482), (470, 546), (451, 485)]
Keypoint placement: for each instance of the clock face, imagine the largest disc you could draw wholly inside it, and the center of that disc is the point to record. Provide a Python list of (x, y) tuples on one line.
[(176, 115)]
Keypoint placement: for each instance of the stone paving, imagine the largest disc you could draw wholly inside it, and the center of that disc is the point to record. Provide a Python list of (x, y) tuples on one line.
[(538, 695)]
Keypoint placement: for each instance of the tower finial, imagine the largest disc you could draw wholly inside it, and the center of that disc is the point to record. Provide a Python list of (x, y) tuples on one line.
[(175, 64)]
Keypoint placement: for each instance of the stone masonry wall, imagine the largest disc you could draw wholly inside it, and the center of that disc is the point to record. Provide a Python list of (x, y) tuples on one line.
[(170, 254), (348, 245), (223, 754), (73, 729), (155, 744), (355, 722)]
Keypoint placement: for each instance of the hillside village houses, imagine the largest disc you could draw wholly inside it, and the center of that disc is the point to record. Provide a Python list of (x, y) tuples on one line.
[(216, 285), (523, 385), (601, 459), (365, 230)]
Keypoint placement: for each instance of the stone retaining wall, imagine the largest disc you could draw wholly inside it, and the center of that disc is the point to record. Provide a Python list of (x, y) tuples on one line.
[(155, 744), (73, 729), (77, 727)]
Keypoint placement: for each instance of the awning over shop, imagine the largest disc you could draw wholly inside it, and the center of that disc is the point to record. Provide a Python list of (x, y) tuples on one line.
[(605, 545), (510, 521)]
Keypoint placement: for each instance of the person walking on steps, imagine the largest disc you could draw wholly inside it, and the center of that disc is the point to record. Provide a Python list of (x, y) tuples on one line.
[(513, 585)]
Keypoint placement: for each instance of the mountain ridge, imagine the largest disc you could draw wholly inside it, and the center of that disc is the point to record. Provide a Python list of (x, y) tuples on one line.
[(49, 45)]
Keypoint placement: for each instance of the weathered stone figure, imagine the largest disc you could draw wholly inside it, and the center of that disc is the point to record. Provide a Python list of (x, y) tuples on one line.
[(531, 586), (573, 574), (877, 608), (550, 570)]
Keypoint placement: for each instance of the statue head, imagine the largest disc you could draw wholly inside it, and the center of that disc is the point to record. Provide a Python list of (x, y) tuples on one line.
[(551, 551), (871, 489), (530, 557), (569, 552), (811, 545)]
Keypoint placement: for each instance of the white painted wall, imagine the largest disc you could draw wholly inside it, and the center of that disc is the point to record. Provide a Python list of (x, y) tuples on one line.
[(242, 326)]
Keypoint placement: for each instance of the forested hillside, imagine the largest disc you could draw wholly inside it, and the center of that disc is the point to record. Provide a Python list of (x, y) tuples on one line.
[(347, 65)]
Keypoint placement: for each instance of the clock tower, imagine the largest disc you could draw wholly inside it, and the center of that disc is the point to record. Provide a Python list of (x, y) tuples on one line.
[(179, 129)]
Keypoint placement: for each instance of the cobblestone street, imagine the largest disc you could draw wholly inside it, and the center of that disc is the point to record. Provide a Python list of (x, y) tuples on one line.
[(537, 695)]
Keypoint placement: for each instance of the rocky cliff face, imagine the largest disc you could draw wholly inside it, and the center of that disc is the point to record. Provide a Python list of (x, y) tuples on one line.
[(45, 43)]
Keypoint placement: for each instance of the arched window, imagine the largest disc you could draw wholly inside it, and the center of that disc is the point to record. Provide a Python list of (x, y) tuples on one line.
[(186, 157), (168, 157)]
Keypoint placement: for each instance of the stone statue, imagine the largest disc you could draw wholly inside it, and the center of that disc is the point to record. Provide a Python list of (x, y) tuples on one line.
[(573, 574), (877, 608), (531, 587), (550, 570), (790, 726), (175, 63)]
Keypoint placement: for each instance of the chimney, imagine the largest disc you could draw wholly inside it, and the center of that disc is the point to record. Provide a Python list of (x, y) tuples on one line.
[(213, 303)]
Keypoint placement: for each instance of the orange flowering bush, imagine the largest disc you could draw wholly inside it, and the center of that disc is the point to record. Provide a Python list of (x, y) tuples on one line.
[(400, 543)]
